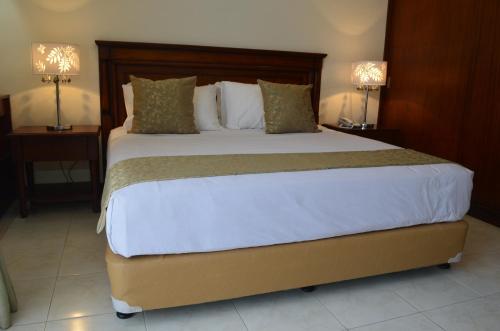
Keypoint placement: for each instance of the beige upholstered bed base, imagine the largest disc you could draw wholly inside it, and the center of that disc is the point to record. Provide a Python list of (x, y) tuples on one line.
[(150, 282)]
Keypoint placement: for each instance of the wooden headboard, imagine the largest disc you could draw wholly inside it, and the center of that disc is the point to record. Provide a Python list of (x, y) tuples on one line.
[(119, 60)]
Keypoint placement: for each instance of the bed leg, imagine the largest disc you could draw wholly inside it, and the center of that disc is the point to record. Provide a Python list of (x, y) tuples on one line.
[(308, 289), (444, 266), (124, 316)]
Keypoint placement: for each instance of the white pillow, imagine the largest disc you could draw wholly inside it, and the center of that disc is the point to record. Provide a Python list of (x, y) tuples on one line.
[(205, 107), (241, 106), (128, 96)]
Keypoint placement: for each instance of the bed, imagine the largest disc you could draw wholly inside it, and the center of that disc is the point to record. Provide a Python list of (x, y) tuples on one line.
[(212, 238)]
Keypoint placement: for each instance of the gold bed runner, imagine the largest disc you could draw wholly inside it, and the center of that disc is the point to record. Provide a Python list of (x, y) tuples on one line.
[(157, 168)]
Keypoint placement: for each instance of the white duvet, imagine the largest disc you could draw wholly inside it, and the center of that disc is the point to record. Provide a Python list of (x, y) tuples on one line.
[(228, 212)]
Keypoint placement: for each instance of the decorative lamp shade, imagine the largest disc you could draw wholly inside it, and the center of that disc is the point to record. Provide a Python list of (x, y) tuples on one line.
[(369, 73), (55, 59)]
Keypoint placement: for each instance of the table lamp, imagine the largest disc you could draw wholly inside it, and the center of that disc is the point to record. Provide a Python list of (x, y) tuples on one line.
[(56, 63), (368, 76)]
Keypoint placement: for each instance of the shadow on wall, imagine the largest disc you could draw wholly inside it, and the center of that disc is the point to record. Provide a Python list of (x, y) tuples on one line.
[(357, 27), (330, 108), (352, 18), (348, 104), (38, 106), (61, 6)]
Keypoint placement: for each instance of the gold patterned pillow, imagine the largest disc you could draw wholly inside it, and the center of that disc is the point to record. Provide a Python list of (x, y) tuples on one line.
[(287, 108), (163, 106)]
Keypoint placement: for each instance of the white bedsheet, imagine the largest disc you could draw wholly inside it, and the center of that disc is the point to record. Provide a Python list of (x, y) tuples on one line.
[(220, 213)]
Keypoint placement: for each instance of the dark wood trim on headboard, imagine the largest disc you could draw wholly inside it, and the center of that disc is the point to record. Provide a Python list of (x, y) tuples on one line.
[(118, 60)]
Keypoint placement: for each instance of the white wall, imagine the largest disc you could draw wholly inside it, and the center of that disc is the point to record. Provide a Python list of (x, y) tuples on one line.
[(347, 30)]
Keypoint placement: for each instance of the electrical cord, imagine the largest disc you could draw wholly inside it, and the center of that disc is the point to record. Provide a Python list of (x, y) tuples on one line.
[(67, 173), (63, 171), (71, 169)]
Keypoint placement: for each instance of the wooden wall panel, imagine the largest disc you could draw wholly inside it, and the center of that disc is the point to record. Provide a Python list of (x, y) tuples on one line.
[(480, 130), (443, 65), (429, 57)]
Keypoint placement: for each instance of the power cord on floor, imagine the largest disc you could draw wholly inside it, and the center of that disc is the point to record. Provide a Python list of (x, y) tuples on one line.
[(67, 173), (70, 170), (61, 166)]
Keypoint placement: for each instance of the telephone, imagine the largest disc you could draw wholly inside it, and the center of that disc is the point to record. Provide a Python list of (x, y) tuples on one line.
[(347, 123)]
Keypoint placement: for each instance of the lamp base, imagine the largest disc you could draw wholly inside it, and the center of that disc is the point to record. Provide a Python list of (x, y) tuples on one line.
[(59, 127)]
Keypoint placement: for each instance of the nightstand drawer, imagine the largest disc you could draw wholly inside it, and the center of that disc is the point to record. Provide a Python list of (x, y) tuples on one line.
[(55, 148)]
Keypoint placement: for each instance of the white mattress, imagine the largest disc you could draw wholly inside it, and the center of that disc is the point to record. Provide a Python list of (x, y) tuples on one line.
[(220, 213)]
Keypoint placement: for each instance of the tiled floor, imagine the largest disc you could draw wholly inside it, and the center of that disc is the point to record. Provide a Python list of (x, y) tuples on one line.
[(57, 263)]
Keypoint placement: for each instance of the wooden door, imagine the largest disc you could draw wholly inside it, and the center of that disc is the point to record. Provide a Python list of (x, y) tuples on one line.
[(479, 144), (443, 68)]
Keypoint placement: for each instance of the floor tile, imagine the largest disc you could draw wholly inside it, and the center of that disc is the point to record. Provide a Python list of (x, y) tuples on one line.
[(84, 250), (107, 322), (430, 288), (481, 237), (478, 315), (365, 301), (416, 322), (54, 226), (7, 218), (33, 247), (30, 327), (78, 296), (289, 310), (217, 316), (33, 300), (67, 211), (479, 271), (33, 262), (83, 232), (83, 259), (20, 239)]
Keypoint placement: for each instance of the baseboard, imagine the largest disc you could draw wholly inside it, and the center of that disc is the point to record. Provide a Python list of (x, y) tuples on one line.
[(5, 204), (7, 216), (486, 214)]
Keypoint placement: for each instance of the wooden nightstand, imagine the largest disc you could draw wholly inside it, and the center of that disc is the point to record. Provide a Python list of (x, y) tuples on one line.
[(390, 136), (35, 143)]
